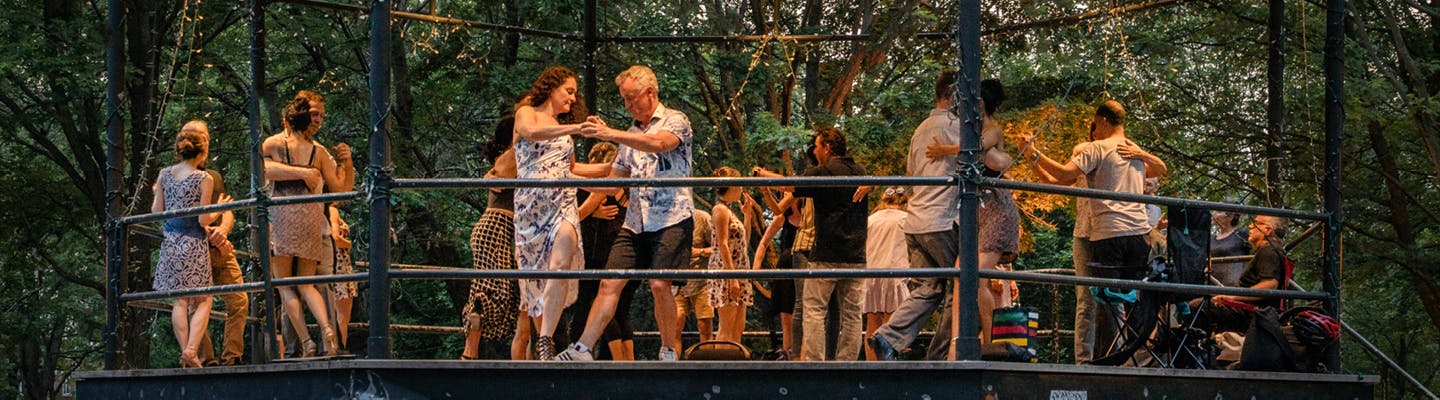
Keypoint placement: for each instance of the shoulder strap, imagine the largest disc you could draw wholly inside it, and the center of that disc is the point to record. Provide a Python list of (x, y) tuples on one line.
[(313, 147)]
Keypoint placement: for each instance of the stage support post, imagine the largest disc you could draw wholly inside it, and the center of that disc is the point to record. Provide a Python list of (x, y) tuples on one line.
[(260, 220), (115, 234), (378, 179), (1334, 134), (1275, 106), (967, 37)]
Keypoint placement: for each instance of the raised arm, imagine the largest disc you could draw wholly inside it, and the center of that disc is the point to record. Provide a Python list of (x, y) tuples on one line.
[(528, 126), (662, 141), (1054, 172), (338, 171)]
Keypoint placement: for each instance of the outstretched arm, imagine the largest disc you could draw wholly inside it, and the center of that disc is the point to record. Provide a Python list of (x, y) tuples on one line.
[(528, 126), (660, 142)]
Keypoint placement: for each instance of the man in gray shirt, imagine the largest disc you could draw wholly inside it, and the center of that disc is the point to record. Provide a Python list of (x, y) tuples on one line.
[(931, 231)]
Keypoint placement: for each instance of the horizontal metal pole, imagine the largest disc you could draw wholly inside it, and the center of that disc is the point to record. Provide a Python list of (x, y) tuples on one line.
[(313, 198), (242, 287), (773, 274), (441, 20), (1152, 286), (1231, 259), (834, 181), (186, 212), (735, 38), (1140, 198), (234, 205), (159, 306), (200, 291), (676, 274)]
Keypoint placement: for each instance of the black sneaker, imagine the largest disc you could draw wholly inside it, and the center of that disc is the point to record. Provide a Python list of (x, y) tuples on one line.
[(883, 350)]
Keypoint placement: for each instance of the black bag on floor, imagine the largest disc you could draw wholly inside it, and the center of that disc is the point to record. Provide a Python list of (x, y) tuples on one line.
[(1266, 347)]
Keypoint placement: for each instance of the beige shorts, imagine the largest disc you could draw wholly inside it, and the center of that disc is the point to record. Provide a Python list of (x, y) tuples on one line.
[(699, 303)]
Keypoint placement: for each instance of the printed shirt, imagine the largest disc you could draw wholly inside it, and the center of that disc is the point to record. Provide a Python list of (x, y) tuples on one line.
[(655, 208)]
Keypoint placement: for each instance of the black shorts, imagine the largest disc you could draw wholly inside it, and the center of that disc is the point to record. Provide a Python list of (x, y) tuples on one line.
[(668, 248), (1128, 253)]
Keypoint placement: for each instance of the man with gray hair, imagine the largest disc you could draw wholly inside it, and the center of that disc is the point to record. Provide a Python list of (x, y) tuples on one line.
[(659, 225), (1229, 313)]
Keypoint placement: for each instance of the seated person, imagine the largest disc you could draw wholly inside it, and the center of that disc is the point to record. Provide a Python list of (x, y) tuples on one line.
[(1227, 313)]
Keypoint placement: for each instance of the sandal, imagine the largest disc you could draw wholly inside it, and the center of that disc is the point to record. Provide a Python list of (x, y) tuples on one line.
[(545, 348)]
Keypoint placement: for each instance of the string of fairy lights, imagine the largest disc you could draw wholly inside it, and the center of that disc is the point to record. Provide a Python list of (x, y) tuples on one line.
[(185, 21)]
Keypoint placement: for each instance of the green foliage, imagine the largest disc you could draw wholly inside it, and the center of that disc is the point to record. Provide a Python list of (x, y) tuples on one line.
[(1191, 75)]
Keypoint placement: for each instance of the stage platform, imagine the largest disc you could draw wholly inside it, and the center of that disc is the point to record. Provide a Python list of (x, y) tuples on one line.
[(444, 379)]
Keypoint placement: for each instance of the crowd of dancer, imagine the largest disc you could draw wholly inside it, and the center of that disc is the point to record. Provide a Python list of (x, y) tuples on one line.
[(664, 228)]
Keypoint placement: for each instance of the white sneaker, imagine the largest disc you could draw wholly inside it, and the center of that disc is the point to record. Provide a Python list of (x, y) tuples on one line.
[(668, 354), (573, 353)]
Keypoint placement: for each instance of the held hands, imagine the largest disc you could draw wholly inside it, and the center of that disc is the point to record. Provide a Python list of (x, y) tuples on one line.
[(342, 153), (594, 127)]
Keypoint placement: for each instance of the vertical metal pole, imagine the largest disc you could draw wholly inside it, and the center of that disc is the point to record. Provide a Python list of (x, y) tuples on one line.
[(377, 175), (114, 233), (591, 36), (967, 36), (1334, 134), (261, 221), (1275, 107)]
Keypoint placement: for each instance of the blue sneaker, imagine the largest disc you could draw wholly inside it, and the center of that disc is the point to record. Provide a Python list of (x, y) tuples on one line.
[(883, 350)]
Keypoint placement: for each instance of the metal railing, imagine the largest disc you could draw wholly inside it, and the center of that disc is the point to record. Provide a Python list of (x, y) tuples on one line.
[(410, 271)]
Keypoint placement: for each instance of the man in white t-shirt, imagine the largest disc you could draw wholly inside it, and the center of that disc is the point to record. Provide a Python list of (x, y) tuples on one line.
[(1109, 162)]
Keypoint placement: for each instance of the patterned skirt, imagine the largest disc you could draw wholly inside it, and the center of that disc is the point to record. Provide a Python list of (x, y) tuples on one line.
[(343, 265), (298, 230), (999, 222), (492, 244), (184, 260)]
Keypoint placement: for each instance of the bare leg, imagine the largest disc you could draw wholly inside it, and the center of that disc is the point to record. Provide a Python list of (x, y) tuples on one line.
[(706, 327), (619, 352), (199, 319), (873, 322), (283, 267), (664, 313), (987, 302), (603, 309), (562, 257), (179, 322), (787, 330), (343, 306), (316, 302), (520, 345), (732, 322)]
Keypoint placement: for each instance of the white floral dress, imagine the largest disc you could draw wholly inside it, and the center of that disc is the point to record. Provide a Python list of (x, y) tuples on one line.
[(538, 215)]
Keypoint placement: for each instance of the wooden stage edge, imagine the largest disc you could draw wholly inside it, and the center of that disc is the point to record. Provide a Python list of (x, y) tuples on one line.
[(710, 380)]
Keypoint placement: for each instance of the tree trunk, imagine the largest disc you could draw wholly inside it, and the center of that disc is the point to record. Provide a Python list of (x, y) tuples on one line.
[(1398, 203)]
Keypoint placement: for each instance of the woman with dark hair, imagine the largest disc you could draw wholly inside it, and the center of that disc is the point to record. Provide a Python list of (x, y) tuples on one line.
[(296, 164), (730, 297), (490, 312), (546, 219), (184, 261), (999, 216)]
